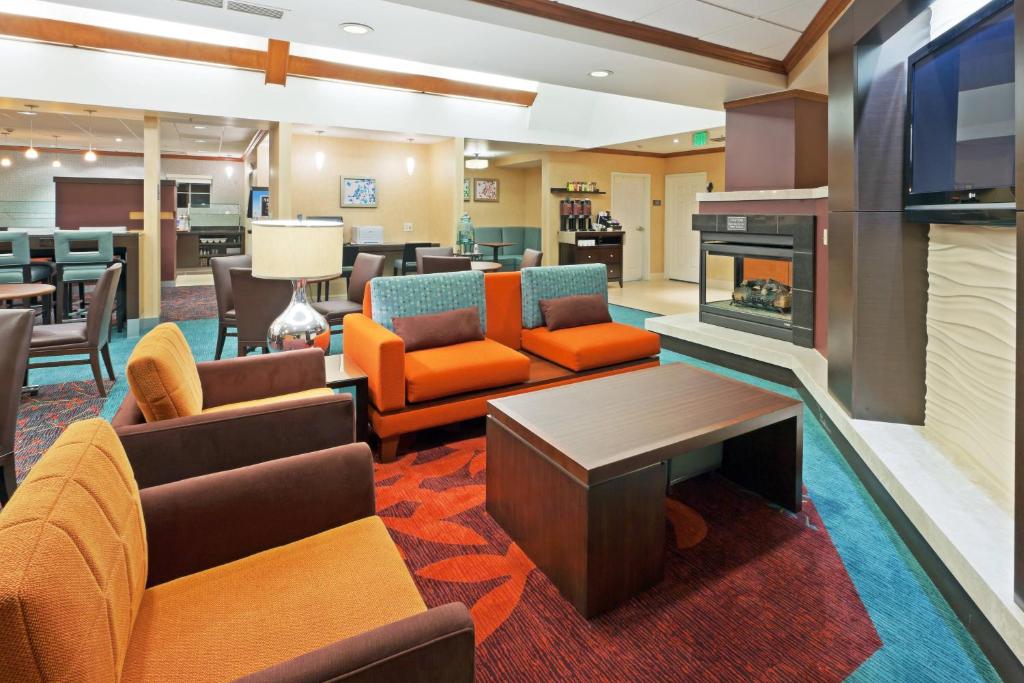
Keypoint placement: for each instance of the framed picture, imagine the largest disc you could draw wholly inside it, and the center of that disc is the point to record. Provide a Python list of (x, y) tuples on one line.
[(486, 190), (465, 189), (359, 193)]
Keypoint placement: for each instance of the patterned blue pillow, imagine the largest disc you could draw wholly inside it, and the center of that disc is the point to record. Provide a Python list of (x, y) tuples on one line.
[(401, 297), (554, 282)]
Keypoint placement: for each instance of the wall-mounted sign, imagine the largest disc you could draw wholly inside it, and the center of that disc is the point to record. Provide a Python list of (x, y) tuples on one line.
[(700, 138), (736, 223)]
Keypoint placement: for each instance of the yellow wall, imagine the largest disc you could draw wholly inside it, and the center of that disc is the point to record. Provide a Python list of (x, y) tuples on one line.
[(518, 205), (445, 175), (532, 189), (401, 198)]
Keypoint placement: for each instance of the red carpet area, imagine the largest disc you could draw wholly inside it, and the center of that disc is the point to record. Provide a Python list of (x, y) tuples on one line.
[(751, 592)]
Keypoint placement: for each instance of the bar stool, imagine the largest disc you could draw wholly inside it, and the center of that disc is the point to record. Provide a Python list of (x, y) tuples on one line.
[(16, 265), (81, 256)]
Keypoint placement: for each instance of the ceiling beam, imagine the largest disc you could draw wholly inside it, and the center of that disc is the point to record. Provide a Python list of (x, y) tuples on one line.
[(657, 155), (271, 63), (581, 18), (277, 62), (820, 24)]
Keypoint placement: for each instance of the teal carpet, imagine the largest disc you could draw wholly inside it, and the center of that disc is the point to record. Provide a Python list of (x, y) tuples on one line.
[(922, 638)]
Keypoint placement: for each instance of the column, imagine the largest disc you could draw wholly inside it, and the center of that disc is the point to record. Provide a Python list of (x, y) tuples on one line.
[(149, 240), (281, 171)]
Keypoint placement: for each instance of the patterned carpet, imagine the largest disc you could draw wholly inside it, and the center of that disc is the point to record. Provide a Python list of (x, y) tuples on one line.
[(187, 303), (751, 592)]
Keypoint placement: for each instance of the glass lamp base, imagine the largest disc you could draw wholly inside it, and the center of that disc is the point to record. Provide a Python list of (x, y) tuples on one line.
[(299, 326)]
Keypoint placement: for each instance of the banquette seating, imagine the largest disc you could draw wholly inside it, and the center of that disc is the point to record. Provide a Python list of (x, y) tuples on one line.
[(279, 571), (183, 419), (522, 238), (410, 390)]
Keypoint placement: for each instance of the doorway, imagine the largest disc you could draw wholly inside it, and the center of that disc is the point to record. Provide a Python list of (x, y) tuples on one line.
[(631, 206), (682, 243)]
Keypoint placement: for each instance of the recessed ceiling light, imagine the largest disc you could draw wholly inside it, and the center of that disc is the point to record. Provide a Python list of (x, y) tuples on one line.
[(675, 141), (199, 127), (356, 29), (199, 142), (118, 139), (601, 73), (27, 113)]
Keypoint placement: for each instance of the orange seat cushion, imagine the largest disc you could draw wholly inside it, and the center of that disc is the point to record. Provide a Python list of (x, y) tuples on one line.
[(591, 346), (73, 562), (244, 616), (163, 377), (456, 369), (308, 393)]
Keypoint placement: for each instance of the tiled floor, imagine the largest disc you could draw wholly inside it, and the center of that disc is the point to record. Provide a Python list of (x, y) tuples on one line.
[(665, 297)]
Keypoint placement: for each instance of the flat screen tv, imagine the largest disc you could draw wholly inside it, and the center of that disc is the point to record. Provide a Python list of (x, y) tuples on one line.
[(960, 123), (259, 202)]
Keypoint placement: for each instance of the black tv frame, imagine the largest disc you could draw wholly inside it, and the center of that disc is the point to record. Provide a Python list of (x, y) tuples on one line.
[(995, 206)]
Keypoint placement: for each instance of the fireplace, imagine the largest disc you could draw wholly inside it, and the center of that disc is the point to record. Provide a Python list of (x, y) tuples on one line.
[(757, 274)]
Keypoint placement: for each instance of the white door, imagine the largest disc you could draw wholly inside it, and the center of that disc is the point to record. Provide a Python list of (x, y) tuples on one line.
[(682, 243), (631, 206)]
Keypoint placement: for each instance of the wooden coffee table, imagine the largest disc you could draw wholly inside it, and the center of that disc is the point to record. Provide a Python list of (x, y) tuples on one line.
[(577, 475)]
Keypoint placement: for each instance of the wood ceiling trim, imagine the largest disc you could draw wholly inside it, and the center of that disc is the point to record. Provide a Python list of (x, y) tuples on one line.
[(581, 18), (271, 62), (820, 24), (657, 155), (120, 153), (277, 62), (776, 97)]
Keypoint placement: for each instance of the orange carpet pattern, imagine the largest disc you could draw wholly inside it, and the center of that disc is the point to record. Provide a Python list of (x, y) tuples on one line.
[(751, 591)]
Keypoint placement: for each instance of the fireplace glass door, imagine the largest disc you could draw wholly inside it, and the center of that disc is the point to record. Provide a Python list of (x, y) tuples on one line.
[(749, 283)]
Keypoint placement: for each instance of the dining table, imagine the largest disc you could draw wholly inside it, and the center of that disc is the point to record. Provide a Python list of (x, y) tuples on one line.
[(486, 266), (31, 290), (496, 246)]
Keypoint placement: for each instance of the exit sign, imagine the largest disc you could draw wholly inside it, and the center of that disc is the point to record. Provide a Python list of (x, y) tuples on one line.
[(700, 138)]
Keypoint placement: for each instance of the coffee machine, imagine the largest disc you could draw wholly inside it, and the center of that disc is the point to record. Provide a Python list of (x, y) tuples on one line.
[(575, 215)]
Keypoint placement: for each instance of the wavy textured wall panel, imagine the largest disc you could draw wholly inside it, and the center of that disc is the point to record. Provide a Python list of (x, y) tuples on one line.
[(970, 358)]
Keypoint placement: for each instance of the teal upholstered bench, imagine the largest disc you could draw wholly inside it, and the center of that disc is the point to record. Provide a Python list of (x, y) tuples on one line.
[(522, 238)]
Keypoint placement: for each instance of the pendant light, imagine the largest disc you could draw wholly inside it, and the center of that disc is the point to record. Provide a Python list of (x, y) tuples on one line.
[(90, 156), (56, 158), (319, 157), (476, 163), (5, 161), (31, 152)]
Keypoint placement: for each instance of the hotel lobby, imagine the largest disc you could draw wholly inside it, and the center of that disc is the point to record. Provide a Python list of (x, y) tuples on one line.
[(510, 340)]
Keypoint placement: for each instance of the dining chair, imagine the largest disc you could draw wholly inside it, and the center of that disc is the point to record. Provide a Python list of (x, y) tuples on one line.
[(16, 331), (531, 258), (258, 302), (406, 264), (431, 251), (88, 339), (445, 264), (81, 257), (16, 265), (365, 268), (226, 323)]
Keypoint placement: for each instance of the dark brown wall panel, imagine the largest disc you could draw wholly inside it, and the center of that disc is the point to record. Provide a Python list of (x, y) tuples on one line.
[(761, 154)]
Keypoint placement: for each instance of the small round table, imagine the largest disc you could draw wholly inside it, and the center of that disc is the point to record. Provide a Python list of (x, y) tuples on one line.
[(30, 291), (486, 266)]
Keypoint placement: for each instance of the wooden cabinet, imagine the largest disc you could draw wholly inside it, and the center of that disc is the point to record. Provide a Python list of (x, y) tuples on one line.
[(593, 247)]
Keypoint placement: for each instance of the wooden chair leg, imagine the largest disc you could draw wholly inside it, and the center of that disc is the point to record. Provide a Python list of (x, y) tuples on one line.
[(106, 361), (94, 361), (8, 478), (222, 333), (389, 448)]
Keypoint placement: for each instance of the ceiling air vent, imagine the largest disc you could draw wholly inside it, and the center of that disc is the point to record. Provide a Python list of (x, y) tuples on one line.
[(208, 3), (259, 10)]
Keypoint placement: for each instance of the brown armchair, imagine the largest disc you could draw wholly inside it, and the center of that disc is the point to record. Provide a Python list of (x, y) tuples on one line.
[(184, 419), (257, 304), (89, 339), (445, 264), (16, 331), (226, 322), (430, 251), (279, 571), (365, 268)]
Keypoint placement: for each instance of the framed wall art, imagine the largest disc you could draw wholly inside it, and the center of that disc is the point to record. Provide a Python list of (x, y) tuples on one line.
[(465, 189), (486, 190), (359, 193)]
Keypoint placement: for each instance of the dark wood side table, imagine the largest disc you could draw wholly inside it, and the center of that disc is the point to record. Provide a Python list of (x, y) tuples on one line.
[(584, 495), (496, 246), (342, 373)]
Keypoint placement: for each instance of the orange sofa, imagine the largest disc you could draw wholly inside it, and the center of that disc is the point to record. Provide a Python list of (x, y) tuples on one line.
[(418, 390), (279, 571)]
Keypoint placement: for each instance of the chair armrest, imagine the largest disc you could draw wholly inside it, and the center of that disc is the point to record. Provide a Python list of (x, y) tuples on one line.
[(171, 450), (198, 523), (436, 645), (261, 376), (380, 353)]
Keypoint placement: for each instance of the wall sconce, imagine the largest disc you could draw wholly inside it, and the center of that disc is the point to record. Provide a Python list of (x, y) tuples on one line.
[(319, 157), (229, 170), (410, 165)]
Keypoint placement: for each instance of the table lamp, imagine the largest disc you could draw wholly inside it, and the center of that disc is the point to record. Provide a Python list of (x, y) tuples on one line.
[(297, 251)]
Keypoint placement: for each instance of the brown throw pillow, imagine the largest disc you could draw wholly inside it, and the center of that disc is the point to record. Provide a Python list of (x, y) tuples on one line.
[(439, 329), (574, 311)]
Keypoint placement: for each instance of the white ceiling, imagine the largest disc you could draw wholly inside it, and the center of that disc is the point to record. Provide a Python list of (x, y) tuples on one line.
[(669, 144), (469, 35), (116, 130), (360, 134), (764, 27)]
